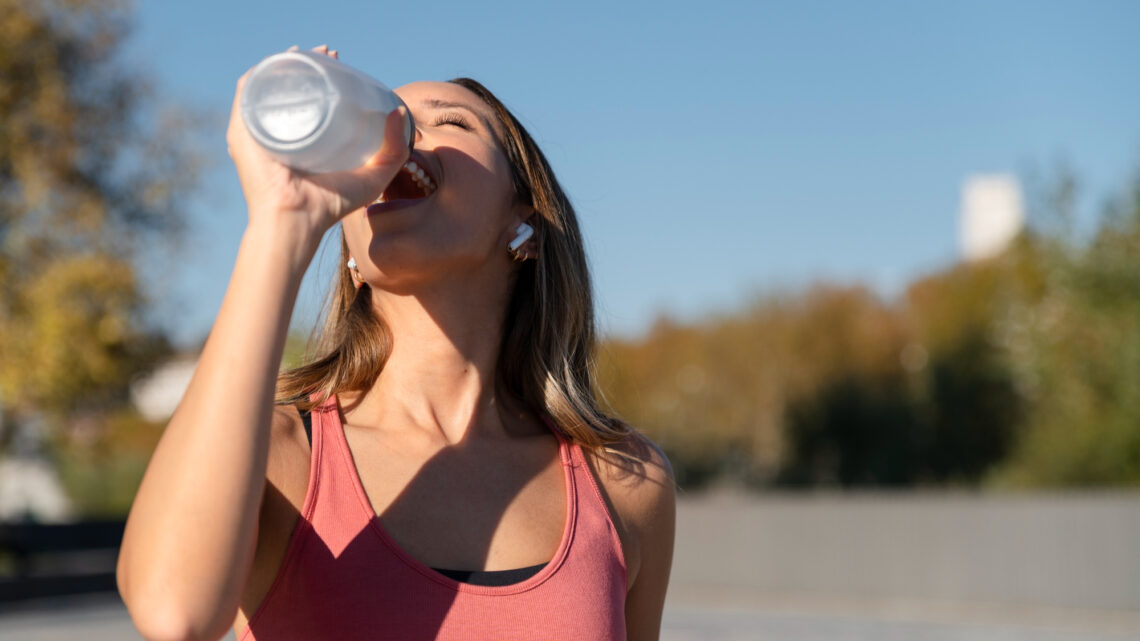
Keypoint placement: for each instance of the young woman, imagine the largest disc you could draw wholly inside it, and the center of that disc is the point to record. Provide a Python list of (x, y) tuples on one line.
[(442, 470)]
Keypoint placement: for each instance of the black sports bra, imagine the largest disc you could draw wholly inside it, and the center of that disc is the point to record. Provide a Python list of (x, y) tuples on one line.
[(473, 577)]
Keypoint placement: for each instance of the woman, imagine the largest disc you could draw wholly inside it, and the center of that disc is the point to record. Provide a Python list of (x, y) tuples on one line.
[(443, 470)]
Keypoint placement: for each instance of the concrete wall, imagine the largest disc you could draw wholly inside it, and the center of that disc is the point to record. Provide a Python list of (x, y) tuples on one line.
[(1071, 551)]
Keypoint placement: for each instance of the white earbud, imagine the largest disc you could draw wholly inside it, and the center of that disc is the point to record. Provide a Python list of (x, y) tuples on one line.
[(523, 234)]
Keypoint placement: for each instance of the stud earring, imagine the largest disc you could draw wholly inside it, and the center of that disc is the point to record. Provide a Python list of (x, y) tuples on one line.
[(357, 279), (522, 234)]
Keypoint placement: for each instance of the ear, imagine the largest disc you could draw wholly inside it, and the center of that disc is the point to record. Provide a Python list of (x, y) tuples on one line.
[(523, 238)]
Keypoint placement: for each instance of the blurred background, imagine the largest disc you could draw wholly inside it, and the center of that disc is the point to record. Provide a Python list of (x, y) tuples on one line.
[(869, 273)]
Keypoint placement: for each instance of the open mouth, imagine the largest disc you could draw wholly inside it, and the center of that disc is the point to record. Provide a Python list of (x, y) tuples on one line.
[(411, 183)]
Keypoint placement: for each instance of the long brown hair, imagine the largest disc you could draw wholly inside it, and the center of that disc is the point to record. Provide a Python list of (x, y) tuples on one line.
[(546, 357)]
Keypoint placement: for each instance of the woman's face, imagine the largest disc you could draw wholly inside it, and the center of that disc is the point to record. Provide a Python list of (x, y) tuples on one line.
[(455, 220)]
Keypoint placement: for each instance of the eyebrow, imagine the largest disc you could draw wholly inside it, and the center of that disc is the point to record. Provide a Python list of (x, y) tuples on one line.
[(436, 103)]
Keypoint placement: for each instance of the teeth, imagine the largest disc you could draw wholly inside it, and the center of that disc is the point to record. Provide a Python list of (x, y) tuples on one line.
[(422, 179)]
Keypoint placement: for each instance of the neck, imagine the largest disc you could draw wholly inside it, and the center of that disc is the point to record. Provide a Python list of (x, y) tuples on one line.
[(441, 375)]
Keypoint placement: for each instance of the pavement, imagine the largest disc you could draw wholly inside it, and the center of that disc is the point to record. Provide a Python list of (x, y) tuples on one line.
[(822, 567), (104, 618)]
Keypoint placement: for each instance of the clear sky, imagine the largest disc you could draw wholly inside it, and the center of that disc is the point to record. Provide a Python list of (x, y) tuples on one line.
[(714, 150)]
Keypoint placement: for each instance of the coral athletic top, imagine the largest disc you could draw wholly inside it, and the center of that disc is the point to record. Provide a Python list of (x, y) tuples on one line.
[(343, 577)]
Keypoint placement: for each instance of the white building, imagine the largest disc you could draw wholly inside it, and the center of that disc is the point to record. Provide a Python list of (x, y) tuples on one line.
[(30, 487), (156, 396), (992, 215)]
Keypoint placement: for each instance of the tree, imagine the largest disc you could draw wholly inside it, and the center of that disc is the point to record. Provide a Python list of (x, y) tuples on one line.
[(91, 175), (1076, 352)]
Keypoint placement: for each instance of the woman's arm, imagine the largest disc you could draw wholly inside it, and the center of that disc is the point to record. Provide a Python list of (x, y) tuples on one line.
[(637, 482), (645, 601), (192, 529)]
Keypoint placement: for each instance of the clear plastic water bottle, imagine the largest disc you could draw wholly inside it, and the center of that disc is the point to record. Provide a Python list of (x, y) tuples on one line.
[(314, 113)]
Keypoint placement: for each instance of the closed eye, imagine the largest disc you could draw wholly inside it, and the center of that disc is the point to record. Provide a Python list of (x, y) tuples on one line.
[(452, 118)]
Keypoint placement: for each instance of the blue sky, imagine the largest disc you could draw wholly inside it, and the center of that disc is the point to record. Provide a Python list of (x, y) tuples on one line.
[(714, 150)]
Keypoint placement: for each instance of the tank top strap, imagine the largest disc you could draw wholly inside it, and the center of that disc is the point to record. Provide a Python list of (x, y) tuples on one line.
[(591, 508), (339, 510), (566, 446)]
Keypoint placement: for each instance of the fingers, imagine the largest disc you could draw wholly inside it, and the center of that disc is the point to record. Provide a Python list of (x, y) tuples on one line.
[(395, 146), (378, 172), (363, 185), (236, 133)]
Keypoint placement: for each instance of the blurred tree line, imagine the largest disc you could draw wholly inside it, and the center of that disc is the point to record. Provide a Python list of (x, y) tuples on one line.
[(1018, 371), (91, 172)]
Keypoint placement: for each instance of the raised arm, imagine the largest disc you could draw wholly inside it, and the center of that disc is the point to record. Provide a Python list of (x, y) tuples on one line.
[(192, 529)]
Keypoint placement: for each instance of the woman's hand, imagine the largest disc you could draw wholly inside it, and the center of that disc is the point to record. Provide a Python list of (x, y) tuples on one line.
[(275, 193)]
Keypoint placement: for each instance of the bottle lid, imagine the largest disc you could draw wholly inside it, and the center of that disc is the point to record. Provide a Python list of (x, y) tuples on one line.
[(287, 101)]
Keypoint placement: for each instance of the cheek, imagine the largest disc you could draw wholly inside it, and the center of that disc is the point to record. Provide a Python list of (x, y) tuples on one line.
[(484, 196), (499, 187), (473, 223)]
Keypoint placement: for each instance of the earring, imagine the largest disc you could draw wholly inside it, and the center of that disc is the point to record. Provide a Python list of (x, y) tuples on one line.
[(357, 279), (522, 234)]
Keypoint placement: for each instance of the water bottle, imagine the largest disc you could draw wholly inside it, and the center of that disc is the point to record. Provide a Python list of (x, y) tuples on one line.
[(314, 113)]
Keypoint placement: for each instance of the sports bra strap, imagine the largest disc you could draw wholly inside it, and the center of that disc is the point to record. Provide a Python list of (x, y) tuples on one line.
[(307, 419)]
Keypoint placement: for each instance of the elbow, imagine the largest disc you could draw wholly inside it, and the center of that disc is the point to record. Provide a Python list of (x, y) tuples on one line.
[(156, 622), (153, 628), (158, 618), (173, 625)]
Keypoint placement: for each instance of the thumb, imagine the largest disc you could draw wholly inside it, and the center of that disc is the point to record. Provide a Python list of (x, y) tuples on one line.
[(364, 184), (393, 153)]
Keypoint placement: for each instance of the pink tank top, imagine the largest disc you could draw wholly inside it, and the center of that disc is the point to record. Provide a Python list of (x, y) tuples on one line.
[(343, 577)]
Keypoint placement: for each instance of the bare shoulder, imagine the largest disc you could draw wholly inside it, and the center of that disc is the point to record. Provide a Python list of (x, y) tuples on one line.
[(287, 469), (289, 453), (637, 483), (286, 423), (636, 467)]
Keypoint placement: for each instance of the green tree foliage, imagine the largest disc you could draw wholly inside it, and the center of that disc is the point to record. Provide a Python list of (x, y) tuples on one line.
[(830, 387), (943, 411), (91, 176), (89, 179), (1076, 353), (715, 395)]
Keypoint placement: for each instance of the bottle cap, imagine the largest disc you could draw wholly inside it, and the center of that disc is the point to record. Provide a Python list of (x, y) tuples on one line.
[(287, 101)]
